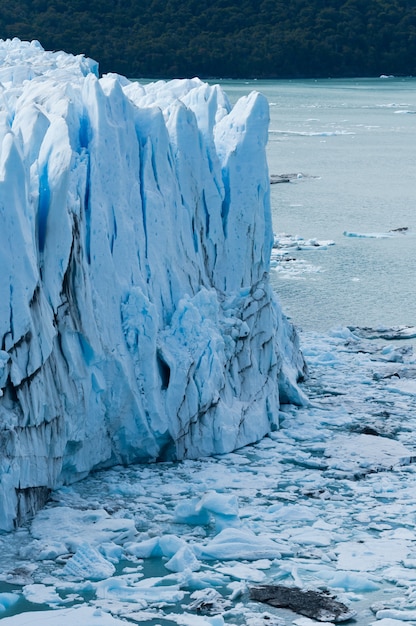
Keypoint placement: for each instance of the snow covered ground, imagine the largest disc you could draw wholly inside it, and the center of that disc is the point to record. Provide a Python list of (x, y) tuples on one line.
[(328, 501)]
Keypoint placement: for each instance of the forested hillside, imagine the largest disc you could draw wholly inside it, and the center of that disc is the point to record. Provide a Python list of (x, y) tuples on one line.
[(225, 38)]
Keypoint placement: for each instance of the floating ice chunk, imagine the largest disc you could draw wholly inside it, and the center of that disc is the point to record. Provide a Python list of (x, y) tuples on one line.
[(404, 387), (293, 268), (183, 559), (199, 620), (74, 527), (295, 242), (51, 550), (208, 601), (21, 575), (149, 548), (324, 133), (371, 554), (237, 589), (147, 591), (324, 357), (221, 503), (387, 621), (168, 545), (7, 600), (243, 572), (111, 551), (239, 544), (392, 354), (347, 233), (186, 512), (82, 616), (88, 564), (366, 452), (293, 512), (127, 490), (400, 575), (342, 332), (309, 536), (142, 616), (262, 564), (223, 507), (405, 616), (353, 581), (42, 594), (202, 579)]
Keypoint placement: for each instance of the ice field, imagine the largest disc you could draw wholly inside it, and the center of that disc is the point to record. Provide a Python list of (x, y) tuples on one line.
[(325, 502)]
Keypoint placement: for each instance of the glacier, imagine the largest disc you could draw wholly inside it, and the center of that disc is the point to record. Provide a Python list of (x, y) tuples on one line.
[(137, 321)]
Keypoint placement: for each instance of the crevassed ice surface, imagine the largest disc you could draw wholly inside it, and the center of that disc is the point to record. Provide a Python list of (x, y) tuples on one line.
[(136, 317)]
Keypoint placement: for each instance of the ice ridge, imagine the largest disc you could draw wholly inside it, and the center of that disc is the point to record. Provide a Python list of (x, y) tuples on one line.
[(137, 321)]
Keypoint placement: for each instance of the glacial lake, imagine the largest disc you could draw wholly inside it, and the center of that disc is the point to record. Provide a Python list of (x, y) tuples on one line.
[(350, 145)]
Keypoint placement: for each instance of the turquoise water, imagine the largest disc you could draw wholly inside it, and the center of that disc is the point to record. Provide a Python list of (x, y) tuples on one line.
[(354, 141)]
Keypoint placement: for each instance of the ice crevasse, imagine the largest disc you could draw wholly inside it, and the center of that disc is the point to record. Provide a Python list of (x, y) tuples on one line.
[(137, 322)]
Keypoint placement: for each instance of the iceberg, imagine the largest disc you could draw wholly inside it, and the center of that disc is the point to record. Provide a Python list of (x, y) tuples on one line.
[(137, 321)]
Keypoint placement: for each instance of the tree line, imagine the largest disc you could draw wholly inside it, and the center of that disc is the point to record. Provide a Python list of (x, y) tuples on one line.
[(225, 38)]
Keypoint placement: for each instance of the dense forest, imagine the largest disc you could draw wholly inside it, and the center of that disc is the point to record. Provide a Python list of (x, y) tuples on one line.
[(225, 38)]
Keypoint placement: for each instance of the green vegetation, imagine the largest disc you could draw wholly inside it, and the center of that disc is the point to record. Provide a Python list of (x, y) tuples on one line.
[(225, 38)]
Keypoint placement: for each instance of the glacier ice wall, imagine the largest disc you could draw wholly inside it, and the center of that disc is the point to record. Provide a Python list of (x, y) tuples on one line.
[(136, 318)]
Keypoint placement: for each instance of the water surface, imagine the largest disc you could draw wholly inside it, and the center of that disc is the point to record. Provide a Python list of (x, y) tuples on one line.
[(354, 142)]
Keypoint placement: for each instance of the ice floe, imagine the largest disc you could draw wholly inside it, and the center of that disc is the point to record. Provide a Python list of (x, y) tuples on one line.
[(284, 258), (287, 242), (88, 563), (239, 544), (323, 133), (394, 232), (7, 600)]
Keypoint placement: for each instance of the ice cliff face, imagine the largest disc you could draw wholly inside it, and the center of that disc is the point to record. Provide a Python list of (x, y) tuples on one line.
[(136, 318)]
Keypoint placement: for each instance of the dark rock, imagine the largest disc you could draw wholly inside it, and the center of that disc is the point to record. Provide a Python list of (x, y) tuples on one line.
[(368, 430), (318, 605), (387, 333), (402, 229), (278, 178), (287, 178), (29, 501)]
